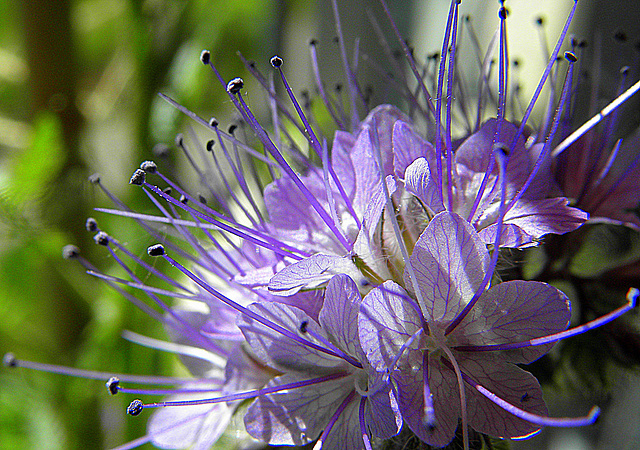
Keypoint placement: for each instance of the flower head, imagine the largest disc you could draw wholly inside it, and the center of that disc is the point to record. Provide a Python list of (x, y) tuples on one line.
[(342, 290)]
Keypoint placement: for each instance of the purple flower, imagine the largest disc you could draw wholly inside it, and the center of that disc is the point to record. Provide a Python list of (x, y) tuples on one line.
[(434, 345), (601, 177), (475, 190), (353, 295), (350, 404)]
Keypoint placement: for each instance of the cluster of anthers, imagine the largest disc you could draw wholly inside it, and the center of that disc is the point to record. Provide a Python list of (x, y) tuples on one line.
[(348, 290)]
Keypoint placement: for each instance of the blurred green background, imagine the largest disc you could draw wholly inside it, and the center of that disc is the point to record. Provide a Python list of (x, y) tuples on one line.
[(78, 85)]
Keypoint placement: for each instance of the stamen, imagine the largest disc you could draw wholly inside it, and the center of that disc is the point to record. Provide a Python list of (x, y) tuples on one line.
[(363, 428), (10, 360), (137, 406), (277, 62), (611, 107), (213, 224), (545, 75), (438, 117), (158, 250), (235, 229), (73, 252), (501, 158), (394, 221), (113, 385), (405, 345), (185, 328), (530, 417), (632, 298), (450, 83), (554, 128), (244, 147), (429, 418), (323, 95), (410, 60), (202, 177), (255, 125), (334, 419), (351, 80)]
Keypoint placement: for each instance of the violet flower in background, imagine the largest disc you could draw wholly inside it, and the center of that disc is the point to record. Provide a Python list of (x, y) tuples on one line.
[(338, 294)]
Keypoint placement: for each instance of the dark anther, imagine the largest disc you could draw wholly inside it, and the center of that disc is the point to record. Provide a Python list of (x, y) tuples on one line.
[(156, 250), (540, 20), (624, 70), (234, 86), (252, 64), (135, 408), (70, 251), (232, 128), (91, 225), (336, 39), (205, 56), (276, 61), (503, 12), (149, 167), (167, 190), (101, 238), (213, 122), (113, 384), (9, 360), (570, 56), (160, 150), (201, 199), (210, 145), (364, 282), (338, 87), (313, 42), (501, 148), (620, 36), (179, 140), (582, 44), (94, 178), (303, 326), (431, 425), (138, 177), (183, 199), (467, 18), (516, 62)]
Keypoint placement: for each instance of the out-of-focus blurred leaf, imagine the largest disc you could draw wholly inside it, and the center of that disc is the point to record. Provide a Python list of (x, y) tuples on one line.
[(604, 248), (35, 168)]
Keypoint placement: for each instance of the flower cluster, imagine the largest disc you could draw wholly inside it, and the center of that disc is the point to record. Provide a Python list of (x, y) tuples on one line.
[(347, 290)]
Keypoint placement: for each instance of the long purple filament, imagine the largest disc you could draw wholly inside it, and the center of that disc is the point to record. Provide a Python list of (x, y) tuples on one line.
[(438, 115), (334, 419), (98, 375), (531, 417), (244, 109), (496, 246), (250, 394), (632, 297), (450, 84), (363, 427), (547, 145), (247, 312)]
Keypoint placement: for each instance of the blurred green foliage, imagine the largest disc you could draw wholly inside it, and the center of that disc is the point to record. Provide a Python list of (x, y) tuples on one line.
[(78, 94)]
